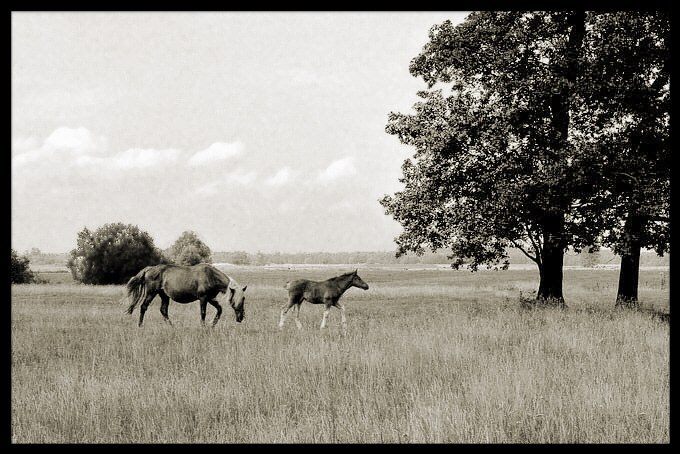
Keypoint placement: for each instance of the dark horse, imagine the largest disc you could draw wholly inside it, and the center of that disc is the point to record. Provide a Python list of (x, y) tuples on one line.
[(185, 284), (326, 292)]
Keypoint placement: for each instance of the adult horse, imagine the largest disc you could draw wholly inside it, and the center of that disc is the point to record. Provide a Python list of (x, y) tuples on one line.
[(185, 284), (326, 292)]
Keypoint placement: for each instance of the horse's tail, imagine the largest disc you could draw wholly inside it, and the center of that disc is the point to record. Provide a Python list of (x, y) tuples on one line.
[(136, 289)]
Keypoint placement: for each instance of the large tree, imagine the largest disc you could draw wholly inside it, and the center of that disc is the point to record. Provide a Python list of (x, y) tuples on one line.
[(628, 110), (553, 132), (495, 165)]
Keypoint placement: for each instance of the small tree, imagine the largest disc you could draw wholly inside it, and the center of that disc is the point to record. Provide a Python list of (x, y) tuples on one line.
[(20, 272), (189, 250), (112, 254)]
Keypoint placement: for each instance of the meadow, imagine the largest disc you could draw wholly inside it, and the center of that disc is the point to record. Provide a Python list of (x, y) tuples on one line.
[(430, 356)]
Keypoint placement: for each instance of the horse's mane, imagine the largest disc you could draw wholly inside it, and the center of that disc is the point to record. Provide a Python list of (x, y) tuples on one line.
[(216, 277)]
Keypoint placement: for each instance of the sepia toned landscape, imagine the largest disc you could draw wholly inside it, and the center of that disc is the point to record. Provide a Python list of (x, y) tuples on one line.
[(430, 355), (340, 227)]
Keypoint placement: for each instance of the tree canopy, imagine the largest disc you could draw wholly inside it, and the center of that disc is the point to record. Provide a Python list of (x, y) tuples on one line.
[(508, 137), (112, 254), (188, 249), (20, 271)]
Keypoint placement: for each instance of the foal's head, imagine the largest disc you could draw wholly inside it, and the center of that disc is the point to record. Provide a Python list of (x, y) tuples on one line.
[(358, 282), (237, 299)]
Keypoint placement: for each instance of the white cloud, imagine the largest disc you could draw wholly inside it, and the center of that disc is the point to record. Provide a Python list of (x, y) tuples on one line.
[(79, 139), (63, 144), (281, 177), (68, 147), (219, 151), (27, 157), (144, 157), (338, 168)]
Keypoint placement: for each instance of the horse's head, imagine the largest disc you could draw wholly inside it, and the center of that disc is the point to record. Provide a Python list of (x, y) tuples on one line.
[(358, 282), (237, 299)]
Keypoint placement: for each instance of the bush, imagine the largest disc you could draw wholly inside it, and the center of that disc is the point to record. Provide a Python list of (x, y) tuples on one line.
[(20, 272), (112, 254), (189, 250)]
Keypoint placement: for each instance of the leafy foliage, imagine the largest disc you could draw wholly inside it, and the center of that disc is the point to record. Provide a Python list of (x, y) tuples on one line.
[(492, 166), (20, 272), (629, 110), (112, 254), (188, 249), (529, 125)]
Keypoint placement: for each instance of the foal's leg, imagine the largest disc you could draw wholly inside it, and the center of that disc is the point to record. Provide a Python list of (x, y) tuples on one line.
[(285, 308), (342, 312), (165, 302), (297, 316), (326, 313), (217, 306), (145, 304)]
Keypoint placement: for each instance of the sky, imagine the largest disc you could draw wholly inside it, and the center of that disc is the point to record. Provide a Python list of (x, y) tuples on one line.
[(259, 131)]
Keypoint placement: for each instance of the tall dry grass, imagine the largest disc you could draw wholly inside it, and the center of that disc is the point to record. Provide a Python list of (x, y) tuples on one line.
[(429, 356)]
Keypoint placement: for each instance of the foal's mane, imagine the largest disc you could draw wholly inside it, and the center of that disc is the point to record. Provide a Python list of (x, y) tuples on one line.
[(341, 277)]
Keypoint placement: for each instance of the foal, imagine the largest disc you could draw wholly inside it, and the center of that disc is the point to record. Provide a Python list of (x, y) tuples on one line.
[(326, 292)]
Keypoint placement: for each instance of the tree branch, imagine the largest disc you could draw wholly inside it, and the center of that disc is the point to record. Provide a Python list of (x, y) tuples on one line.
[(535, 259), (629, 176), (536, 244)]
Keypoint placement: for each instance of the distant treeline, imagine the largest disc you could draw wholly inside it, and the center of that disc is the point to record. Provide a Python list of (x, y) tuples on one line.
[(602, 257)]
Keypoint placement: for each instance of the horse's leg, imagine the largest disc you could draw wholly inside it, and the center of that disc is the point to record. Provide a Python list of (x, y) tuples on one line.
[(217, 306), (326, 313), (204, 306), (145, 304), (165, 302), (342, 312), (285, 308), (297, 316)]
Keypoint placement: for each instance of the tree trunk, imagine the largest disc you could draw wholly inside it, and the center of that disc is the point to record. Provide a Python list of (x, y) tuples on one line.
[(550, 286), (627, 294), (552, 260)]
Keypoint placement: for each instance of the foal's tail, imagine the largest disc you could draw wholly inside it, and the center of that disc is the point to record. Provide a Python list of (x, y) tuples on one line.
[(136, 289)]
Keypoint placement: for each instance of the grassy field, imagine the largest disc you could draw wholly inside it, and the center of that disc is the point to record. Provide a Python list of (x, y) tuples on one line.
[(436, 356)]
